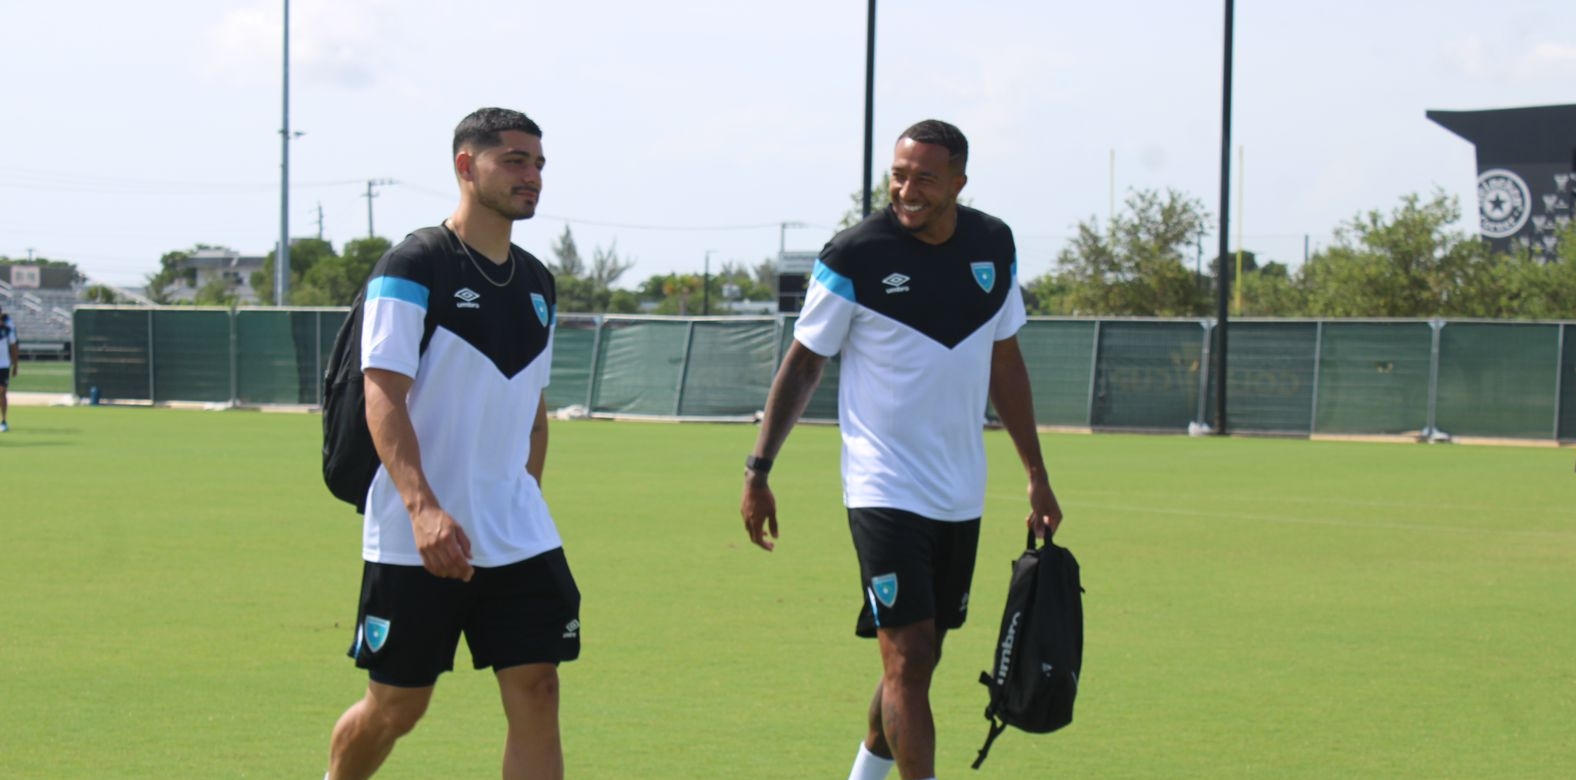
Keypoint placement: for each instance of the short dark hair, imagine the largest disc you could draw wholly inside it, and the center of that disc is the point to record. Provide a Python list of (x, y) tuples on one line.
[(935, 131), (480, 130)]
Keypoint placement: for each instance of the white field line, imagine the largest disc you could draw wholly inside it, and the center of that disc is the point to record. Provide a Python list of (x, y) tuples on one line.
[(1258, 517)]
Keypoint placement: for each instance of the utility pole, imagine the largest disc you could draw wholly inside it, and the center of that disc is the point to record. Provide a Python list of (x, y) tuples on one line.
[(705, 286), (370, 195), (320, 220)]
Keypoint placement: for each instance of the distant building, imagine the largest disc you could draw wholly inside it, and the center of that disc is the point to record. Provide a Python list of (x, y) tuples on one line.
[(1526, 160), (228, 265)]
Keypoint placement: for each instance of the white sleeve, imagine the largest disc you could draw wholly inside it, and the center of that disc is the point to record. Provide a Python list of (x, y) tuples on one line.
[(393, 318), (828, 311), (1012, 313)]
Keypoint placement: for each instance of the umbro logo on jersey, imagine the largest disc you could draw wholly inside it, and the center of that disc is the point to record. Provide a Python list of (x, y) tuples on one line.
[(896, 283), (572, 630), (467, 298)]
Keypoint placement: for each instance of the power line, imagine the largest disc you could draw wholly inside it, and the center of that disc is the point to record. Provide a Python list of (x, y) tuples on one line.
[(633, 226), (46, 181)]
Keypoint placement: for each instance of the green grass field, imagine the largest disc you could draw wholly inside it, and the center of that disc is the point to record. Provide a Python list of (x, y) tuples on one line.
[(178, 590), (43, 376)]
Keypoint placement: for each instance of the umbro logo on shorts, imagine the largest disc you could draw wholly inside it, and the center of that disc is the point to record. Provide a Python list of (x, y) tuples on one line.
[(467, 298), (572, 630), (896, 283)]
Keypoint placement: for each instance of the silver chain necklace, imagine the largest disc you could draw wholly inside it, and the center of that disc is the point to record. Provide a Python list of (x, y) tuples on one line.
[(478, 264)]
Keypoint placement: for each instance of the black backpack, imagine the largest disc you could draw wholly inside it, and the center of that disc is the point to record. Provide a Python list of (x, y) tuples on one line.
[(1039, 652), (350, 459)]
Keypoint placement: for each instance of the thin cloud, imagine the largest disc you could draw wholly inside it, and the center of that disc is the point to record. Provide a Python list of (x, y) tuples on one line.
[(1546, 61), (1521, 62), (331, 42)]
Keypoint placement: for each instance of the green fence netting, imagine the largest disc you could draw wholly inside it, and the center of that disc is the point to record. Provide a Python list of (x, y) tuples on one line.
[(728, 369), (1270, 376), (282, 354), (191, 356), (1512, 380), (1373, 377), (1497, 380), (1568, 383), (639, 366), (1147, 375), (823, 404), (574, 348), (1060, 357), (111, 353)]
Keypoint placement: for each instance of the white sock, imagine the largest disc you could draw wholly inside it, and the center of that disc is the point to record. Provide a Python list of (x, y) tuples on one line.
[(869, 766)]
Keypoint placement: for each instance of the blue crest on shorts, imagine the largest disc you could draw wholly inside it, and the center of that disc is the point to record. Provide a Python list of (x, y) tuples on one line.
[(984, 274), (885, 588), (376, 631), (540, 304)]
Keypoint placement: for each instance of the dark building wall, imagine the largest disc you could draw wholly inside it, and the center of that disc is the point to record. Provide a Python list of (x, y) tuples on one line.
[(1526, 160)]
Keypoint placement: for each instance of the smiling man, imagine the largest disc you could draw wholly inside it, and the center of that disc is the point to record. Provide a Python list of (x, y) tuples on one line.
[(922, 301), (456, 352)]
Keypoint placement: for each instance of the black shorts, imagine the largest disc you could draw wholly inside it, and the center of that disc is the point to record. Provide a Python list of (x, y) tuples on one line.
[(410, 620), (5, 376), (912, 568)]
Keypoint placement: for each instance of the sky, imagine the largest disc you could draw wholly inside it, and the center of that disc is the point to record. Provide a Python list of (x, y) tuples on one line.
[(688, 130)]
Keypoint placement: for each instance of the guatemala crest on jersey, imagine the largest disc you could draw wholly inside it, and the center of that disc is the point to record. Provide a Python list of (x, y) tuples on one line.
[(540, 304), (984, 274)]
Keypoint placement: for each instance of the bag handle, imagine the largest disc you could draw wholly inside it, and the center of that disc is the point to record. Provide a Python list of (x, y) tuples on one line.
[(995, 731)]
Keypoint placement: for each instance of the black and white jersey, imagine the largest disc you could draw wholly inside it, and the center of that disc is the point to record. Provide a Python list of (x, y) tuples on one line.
[(916, 325), (7, 338), (480, 355)]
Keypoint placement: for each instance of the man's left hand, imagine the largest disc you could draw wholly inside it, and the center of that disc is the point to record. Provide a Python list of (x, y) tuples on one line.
[(1045, 513)]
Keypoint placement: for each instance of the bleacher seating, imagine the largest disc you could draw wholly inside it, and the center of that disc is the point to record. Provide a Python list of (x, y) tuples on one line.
[(42, 318)]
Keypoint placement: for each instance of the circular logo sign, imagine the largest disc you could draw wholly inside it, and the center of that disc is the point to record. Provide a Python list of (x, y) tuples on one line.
[(1504, 203)]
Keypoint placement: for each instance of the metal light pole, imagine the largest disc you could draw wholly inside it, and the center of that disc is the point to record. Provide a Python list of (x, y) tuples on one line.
[(870, 98), (282, 257), (1222, 278)]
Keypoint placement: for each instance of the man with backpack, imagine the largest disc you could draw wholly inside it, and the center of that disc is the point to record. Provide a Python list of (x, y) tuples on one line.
[(456, 328), (922, 301)]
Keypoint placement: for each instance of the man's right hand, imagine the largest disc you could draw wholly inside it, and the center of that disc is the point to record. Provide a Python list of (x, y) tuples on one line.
[(758, 507), (445, 549)]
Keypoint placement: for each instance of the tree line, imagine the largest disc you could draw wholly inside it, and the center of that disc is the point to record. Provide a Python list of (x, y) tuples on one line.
[(320, 276), (1407, 262)]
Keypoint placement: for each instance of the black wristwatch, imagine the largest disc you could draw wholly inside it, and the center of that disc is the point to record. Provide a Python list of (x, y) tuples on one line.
[(758, 465)]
